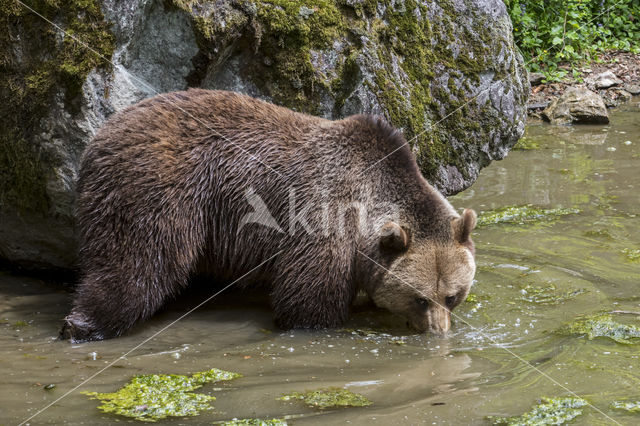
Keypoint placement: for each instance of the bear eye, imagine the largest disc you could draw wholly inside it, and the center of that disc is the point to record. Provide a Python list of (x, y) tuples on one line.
[(422, 302), (451, 301)]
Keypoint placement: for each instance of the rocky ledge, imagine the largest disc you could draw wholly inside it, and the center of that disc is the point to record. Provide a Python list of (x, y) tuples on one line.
[(445, 72), (612, 81)]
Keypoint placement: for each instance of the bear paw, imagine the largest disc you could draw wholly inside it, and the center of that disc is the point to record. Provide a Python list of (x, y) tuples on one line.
[(77, 329)]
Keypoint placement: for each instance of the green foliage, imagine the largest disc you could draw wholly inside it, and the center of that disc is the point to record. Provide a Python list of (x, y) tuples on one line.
[(330, 397), (552, 32), (550, 411), (156, 396), (520, 215), (603, 325)]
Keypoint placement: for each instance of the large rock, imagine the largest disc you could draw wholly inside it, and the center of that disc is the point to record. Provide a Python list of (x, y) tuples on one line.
[(445, 72), (577, 105)]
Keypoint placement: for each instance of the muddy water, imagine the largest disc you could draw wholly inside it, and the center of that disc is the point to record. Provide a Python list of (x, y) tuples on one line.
[(502, 356)]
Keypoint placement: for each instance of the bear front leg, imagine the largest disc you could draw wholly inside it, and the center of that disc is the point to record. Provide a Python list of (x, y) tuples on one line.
[(316, 296)]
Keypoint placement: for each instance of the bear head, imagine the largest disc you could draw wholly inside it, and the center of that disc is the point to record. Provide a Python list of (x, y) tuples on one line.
[(425, 278)]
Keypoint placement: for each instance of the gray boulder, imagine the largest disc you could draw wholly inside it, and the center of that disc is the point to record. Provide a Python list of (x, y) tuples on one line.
[(446, 73), (577, 105), (605, 80)]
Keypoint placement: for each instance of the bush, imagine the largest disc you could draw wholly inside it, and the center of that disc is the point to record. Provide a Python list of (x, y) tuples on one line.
[(552, 32)]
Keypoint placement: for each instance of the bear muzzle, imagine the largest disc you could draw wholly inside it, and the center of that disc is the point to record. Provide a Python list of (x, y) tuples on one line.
[(439, 320)]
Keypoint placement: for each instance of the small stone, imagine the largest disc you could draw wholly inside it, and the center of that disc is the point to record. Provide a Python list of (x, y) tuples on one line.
[(535, 78), (633, 89), (606, 79), (623, 95), (538, 105)]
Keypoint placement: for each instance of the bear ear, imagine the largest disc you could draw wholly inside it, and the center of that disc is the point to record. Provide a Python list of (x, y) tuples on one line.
[(393, 238), (463, 225)]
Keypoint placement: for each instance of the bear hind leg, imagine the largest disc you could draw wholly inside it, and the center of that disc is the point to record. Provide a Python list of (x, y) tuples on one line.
[(105, 307)]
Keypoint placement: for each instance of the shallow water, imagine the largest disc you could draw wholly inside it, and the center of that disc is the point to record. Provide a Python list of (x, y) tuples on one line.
[(502, 356)]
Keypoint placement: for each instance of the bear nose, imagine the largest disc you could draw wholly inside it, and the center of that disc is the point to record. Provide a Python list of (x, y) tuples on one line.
[(439, 320)]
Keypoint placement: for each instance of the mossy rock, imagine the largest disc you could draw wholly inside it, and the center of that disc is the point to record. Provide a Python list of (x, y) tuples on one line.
[(446, 73), (36, 64)]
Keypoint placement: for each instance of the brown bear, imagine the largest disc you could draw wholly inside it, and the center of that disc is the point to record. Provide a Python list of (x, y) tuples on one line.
[(171, 187)]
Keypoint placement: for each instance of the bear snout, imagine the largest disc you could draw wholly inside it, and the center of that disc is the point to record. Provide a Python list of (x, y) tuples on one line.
[(439, 319)]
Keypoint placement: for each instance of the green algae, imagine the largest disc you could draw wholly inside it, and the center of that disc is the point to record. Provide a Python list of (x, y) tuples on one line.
[(550, 411), (329, 397), (631, 254), (631, 406), (520, 215), (157, 396), (254, 422), (526, 144), (602, 325), (547, 295), (599, 233)]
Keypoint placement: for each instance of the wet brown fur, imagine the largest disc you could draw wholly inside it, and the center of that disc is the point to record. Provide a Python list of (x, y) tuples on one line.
[(162, 190)]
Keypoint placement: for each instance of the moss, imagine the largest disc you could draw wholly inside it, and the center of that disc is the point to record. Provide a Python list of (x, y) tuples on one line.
[(158, 396), (290, 30), (327, 398), (254, 422), (631, 406), (550, 411), (519, 215), (603, 325), (344, 84), (434, 115), (36, 62), (287, 32)]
